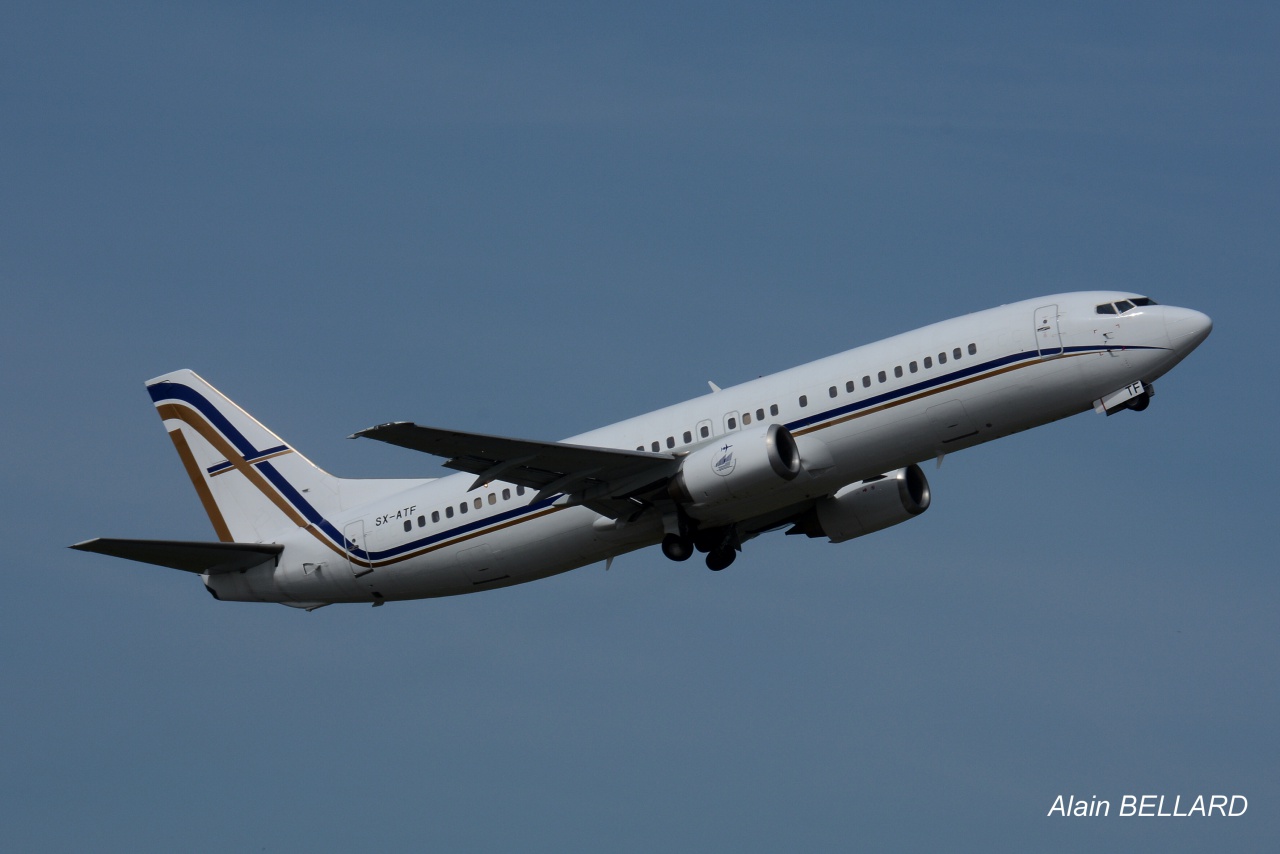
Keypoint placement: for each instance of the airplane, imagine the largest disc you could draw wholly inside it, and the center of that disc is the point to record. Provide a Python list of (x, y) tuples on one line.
[(828, 449)]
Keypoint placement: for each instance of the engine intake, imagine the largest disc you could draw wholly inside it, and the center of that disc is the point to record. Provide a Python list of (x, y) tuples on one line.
[(741, 465), (867, 506)]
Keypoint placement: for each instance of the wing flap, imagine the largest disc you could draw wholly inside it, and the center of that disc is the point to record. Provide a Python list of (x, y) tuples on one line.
[(189, 556), (562, 467)]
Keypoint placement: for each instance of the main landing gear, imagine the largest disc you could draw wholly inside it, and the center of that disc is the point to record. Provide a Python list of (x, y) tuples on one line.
[(719, 544), (676, 547)]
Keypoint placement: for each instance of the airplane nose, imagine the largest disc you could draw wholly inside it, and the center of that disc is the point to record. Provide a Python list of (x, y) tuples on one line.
[(1187, 328)]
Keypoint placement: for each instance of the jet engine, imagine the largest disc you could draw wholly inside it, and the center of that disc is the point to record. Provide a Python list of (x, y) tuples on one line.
[(740, 465), (867, 506)]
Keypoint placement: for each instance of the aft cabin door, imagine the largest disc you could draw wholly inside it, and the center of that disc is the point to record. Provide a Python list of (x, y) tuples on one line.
[(1048, 336), (357, 550)]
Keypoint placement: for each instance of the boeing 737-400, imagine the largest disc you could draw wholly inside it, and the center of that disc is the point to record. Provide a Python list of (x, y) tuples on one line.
[(827, 449)]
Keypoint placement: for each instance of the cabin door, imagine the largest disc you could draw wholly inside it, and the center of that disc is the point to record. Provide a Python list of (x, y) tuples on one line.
[(1048, 336), (357, 548)]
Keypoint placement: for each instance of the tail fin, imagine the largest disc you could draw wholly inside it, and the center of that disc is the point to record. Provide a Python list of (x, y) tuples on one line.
[(254, 486)]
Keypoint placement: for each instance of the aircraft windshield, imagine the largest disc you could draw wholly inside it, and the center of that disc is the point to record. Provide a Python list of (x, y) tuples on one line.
[(1125, 305)]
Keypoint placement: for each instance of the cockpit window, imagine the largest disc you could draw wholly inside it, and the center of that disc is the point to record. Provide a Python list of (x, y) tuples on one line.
[(1124, 305)]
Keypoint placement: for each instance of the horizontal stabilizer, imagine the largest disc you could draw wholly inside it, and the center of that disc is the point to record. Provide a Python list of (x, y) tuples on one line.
[(213, 558)]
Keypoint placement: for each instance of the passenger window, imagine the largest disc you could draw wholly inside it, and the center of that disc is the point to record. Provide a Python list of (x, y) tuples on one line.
[(479, 502), (759, 414), (671, 441), (773, 409), (832, 391), (506, 495), (688, 437), (462, 508), (435, 515), (422, 521), (493, 499), (942, 358), (408, 526), (973, 349), (881, 376), (519, 490), (1106, 308), (804, 400), (914, 367), (656, 447), (448, 511), (732, 423), (955, 353), (897, 371), (866, 382), (928, 362), (705, 431), (639, 447), (746, 418)]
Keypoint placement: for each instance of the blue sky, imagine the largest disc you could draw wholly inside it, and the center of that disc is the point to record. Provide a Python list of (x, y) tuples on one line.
[(538, 220)]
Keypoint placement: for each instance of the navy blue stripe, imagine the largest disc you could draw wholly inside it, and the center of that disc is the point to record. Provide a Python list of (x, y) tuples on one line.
[(268, 452), (175, 391), (188, 395), (944, 379), (461, 529)]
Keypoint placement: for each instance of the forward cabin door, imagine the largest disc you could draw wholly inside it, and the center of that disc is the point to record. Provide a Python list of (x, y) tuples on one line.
[(1048, 336)]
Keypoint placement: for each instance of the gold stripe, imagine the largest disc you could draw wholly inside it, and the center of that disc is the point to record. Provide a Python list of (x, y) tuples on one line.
[(254, 461), (920, 396), (213, 437), (545, 512), (202, 488), (197, 422)]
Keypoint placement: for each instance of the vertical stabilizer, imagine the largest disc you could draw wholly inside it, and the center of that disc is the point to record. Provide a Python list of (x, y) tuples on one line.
[(254, 486)]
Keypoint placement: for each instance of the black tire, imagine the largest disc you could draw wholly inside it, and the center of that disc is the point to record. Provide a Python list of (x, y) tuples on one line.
[(708, 540), (720, 559), (676, 547)]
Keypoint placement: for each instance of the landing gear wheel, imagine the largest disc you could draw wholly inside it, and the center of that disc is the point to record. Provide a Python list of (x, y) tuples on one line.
[(708, 540), (720, 558), (676, 547)]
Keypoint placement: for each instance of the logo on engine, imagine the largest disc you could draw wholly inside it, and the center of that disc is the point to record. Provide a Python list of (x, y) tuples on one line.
[(724, 464)]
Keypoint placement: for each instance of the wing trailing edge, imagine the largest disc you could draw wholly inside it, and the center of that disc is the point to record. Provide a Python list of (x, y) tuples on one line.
[(593, 474)]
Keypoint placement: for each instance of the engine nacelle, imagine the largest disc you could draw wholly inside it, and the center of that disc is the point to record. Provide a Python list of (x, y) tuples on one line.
[(868, 506), (741, 465)]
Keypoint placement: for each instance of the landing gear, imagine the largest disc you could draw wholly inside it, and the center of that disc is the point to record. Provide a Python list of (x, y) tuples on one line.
[(719, 544), (1139, 403), (720, 558), (676, 547), (708, 540)]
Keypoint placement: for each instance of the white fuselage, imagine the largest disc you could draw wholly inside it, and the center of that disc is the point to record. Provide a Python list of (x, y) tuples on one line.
[(854, 415)]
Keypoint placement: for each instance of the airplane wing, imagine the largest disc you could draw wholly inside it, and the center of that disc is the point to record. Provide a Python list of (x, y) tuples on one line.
[(189, 556), (595, 474)]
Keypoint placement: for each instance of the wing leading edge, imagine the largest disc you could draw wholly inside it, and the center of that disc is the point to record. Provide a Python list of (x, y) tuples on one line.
[(597, 477)]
